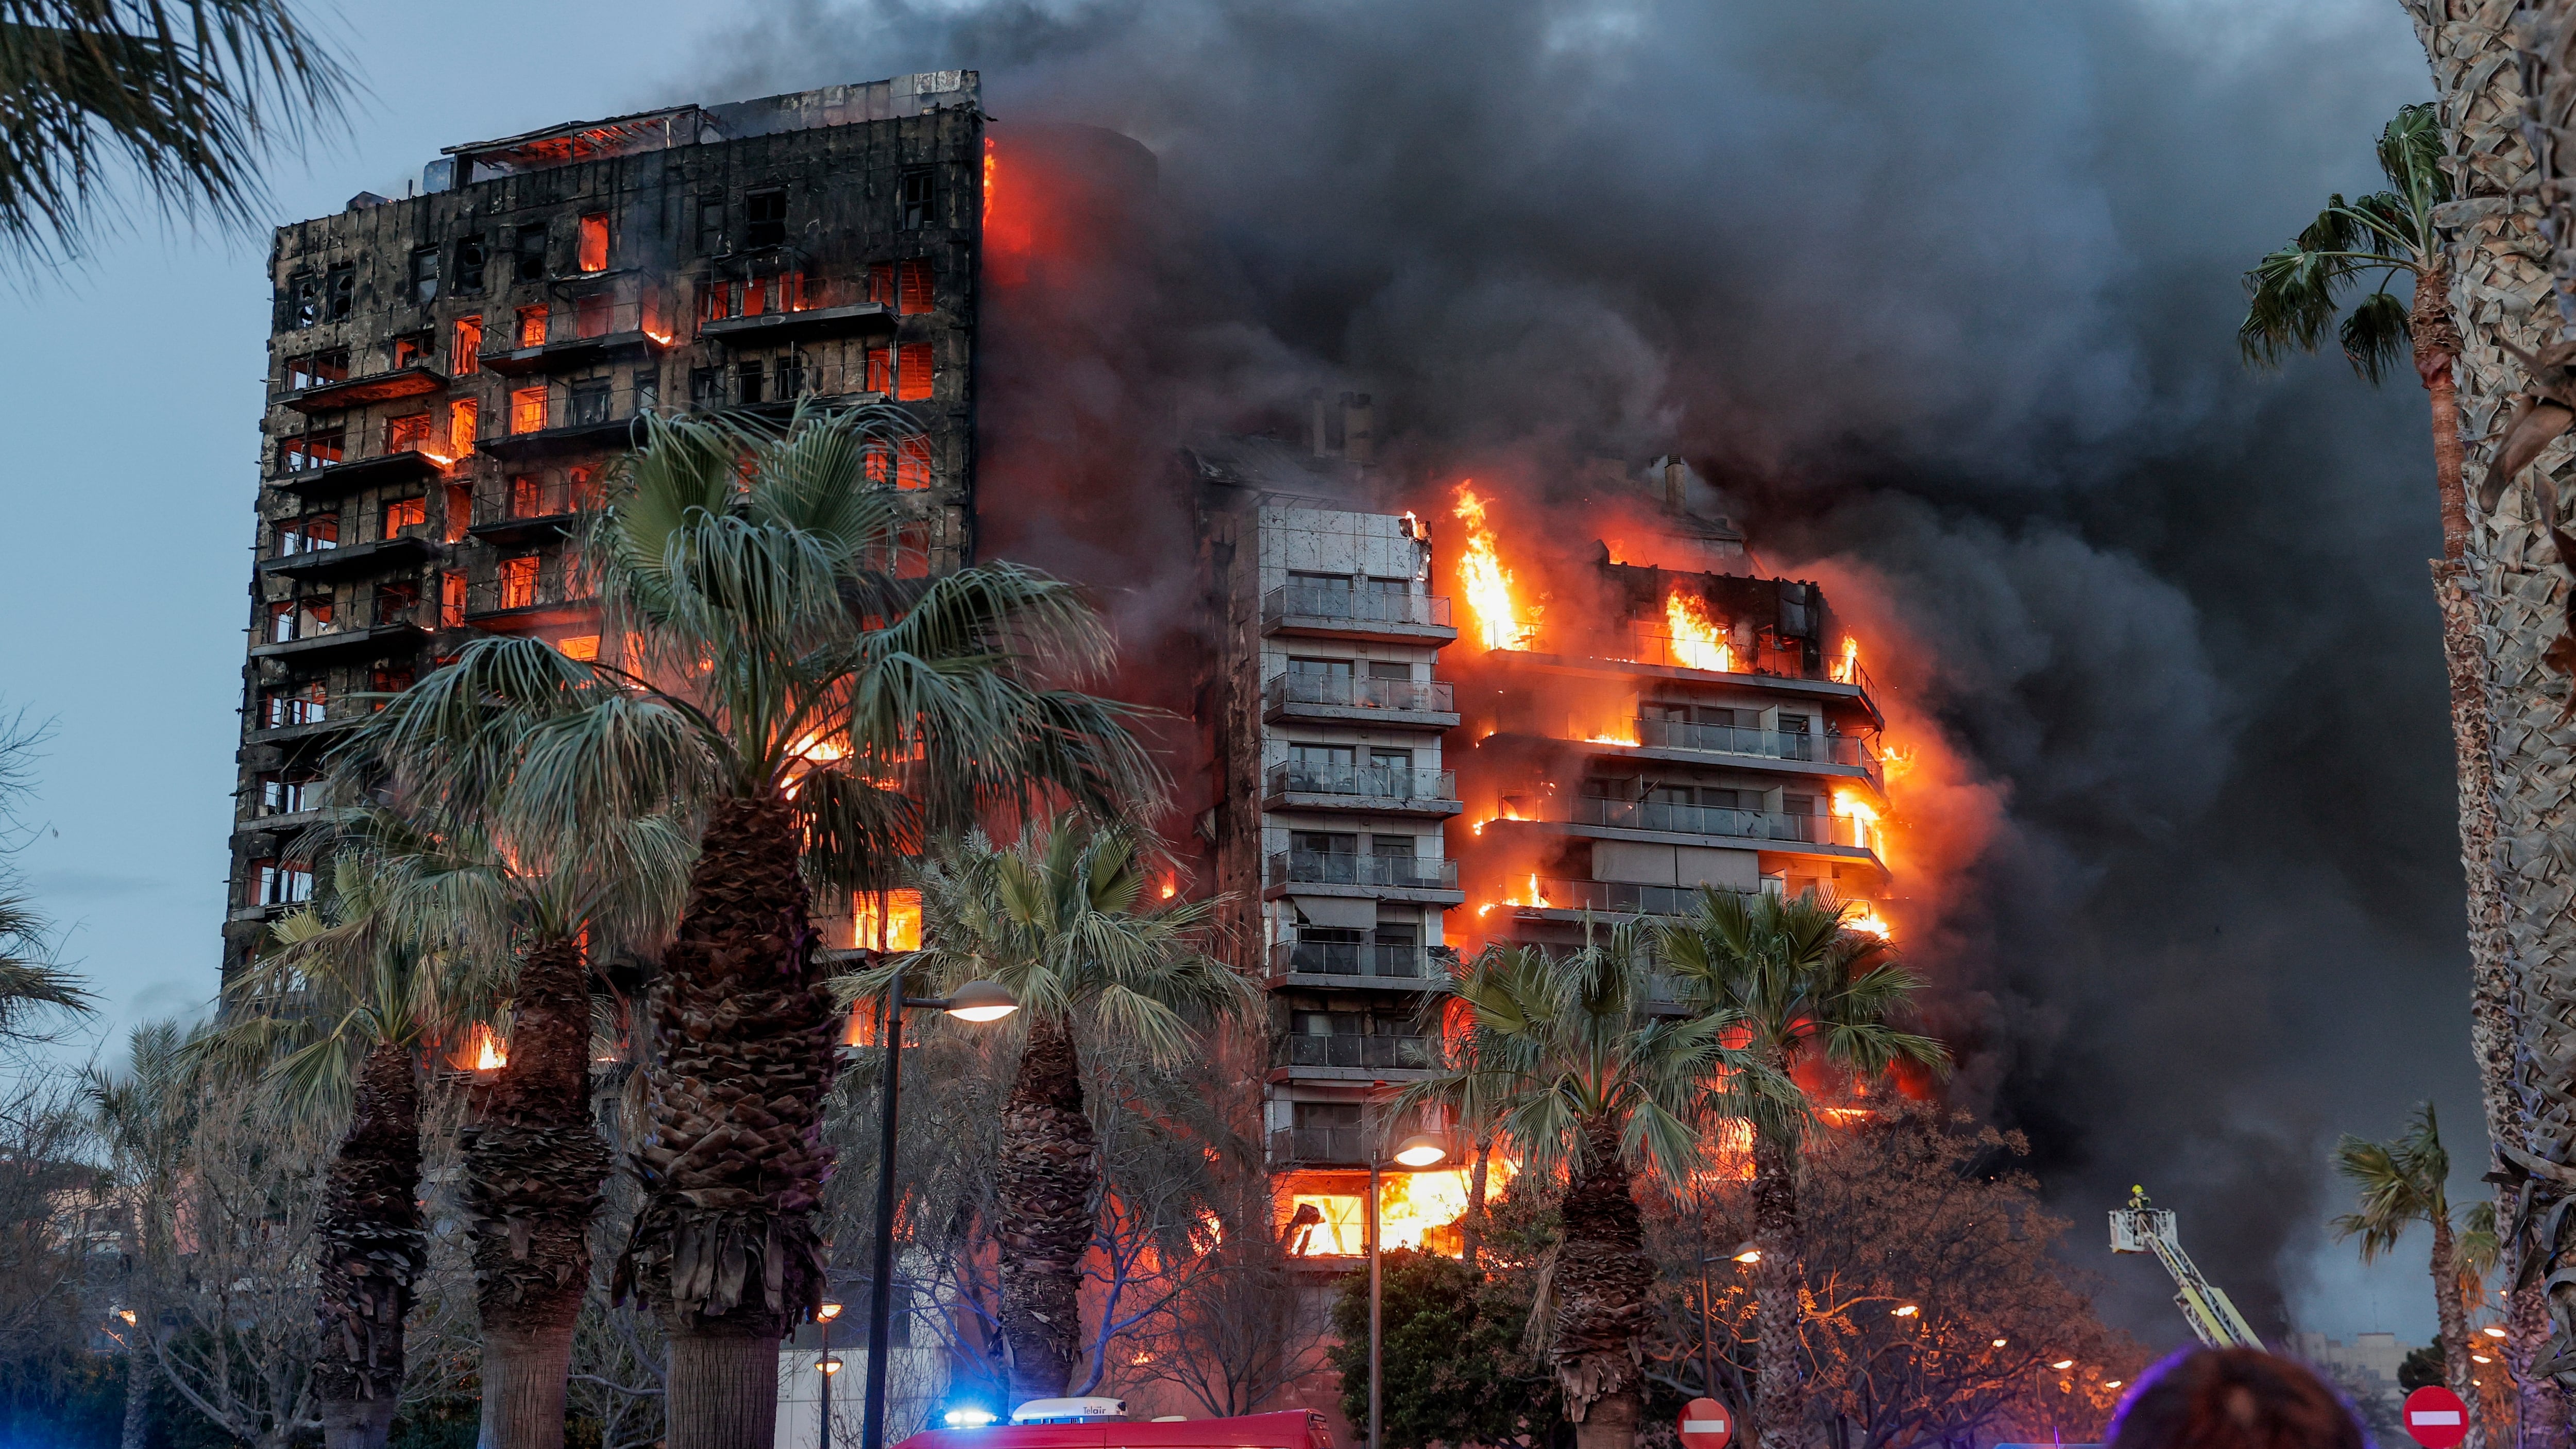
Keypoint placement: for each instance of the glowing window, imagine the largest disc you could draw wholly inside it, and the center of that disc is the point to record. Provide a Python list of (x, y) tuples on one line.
[(912, 372), (532, 326), (893, 926), (912, 463), (590, 315), (460, 511), (464, 418), (913, 293), (580, 646), (405, 513), (880, 370), (594, 242), (519, 582), (407, 434), (527, 409), (465, 346), (451, 601)]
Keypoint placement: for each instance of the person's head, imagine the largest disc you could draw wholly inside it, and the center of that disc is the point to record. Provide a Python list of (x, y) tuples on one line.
[(2233, 1398)]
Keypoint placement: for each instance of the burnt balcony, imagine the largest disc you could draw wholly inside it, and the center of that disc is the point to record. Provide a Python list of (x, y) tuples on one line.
[(328, 562), (578, 332), (1371, 874), (1319, 1147), (1353, 1053), (1356, 963), (1851, 752), (850, 319), (1381, 789), (543, 596), (418, 380), (1349, 699), (548, 418), (1325, 612), (378, 624), (321, 466), (1711, 820), (522, 510)]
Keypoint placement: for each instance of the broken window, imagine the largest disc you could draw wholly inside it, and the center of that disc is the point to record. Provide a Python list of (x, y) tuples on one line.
[(648, 390), (581, 490), (424, 276), (469, 264), (880, 369), (791, 376), (339, 293), (527, 496), (312, 450), (388, 679), (411, 349), (913, 207), (912, 294), (912, 463), (581, 646), (303, 301), (912, 372), (293, 704), (711, 219), (746, 380), (451, 601), (527, 409), (465, 346), (590, 316), (532, 327), (706, 387), (408, 434), (317, 369), (280, 882), (398, 601), (881, 284), (519, 581), (528, 253), (285, 794), (308, 534), (714, 302), (589, 399), (593, 253), (292, 619), (464, 417), (460, 511), (405, 513), (764, 219)]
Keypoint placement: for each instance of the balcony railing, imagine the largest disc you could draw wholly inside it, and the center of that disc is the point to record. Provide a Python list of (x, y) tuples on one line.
[(1767, 744), (512, 591), (1390, 1053), (1348, 692), (1356, 606), (1406, 872), (1716, 820), (1350, 958), (1373, 781), (1318, 1145), (1613, 897)]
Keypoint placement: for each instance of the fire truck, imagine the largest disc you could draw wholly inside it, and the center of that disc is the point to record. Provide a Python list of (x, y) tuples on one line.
[(1103, 1424)]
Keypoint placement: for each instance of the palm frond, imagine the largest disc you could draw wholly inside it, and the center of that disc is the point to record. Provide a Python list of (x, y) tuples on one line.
[(2376, 336)]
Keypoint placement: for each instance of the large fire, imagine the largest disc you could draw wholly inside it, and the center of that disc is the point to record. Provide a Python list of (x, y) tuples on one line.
[(1418, 1210), (1698, 641), (484, 1051), (1486, 583)]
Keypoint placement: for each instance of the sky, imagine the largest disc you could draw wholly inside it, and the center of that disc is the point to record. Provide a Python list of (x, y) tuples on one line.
[(1939, 299)]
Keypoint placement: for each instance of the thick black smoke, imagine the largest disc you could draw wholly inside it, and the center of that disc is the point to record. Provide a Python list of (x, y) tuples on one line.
[(1940, 295)]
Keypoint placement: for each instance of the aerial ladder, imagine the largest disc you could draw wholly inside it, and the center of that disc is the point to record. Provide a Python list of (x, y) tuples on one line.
[(2139, 1228)]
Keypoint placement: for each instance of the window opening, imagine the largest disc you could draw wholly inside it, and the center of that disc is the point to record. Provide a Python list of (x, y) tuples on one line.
[(469, 264), (914, 206), (581, 489), (912, 463), (464, 420), (284, 794), (593, 256), (388, 679), (584, 647), (529, 251), (405, 513), (764, 215), (589, 402), (706, 387), (913, 294), (460, 511), (294, 704), (451, 600), (409, 434), (339, 293), (527, 497), (590, 316), (532, 327), (912, 372), (791, 376), (310, 451), (746, 380), (317, 369), (411, 349), (309, 534), (397, 601), (880, 369), (303, 300), (519, 581), (281, 882), (711, 219), (424, 276), (465, 346), (528, 409)]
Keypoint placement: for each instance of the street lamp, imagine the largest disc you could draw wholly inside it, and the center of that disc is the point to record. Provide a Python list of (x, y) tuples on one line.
[(1422, 1149), (824, 1313), (976, 1001)]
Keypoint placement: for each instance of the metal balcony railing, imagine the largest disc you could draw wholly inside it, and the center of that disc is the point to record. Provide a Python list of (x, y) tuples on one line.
[(1407, 872), (1343, 1145), (1358, 606), (1716, 820), (1766, 744), (323, 614), (567, 320), (1350, 958), (1616, 897), (1391, 1053), (1373, 781), (1349, 692)]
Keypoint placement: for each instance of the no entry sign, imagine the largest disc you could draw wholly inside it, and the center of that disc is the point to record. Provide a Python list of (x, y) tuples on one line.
[(2436, 1418), (1706, 1424)]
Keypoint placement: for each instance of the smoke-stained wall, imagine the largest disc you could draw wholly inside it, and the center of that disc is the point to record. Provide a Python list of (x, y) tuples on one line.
[(1941, 301)]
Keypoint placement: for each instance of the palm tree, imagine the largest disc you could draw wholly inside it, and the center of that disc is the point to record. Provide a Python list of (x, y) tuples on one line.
[(186, 95), (343, 1015), (1061, 919), (534, 1161), (1582, 1080), (1796, 985), (2403, 1182), (819, 710), (143, 1117)]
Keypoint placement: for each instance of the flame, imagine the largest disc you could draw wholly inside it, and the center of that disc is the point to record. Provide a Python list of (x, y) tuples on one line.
[(1629, 739), (894, 927), (660, 339), (1698, 641), (1895, 760), (1169, 888), (485, 1052), (1418, 1210), (1866, 920), (1850, 665), (1488, 585)]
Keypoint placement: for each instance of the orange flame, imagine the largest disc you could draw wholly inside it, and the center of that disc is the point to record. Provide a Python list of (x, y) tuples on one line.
[(1866, 920), (1698, 641), (489, 1053), (1487, 584), (1845, 671), (1862, 815)]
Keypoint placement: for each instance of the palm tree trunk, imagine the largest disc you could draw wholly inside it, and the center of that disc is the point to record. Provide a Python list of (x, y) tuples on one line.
[(533, 1168), (1779, 1397), (141, 1367), (1471, 1233), (2456, 1368), (1045, 1178), (372, 1248), (1602, 1279), (744, 1032)]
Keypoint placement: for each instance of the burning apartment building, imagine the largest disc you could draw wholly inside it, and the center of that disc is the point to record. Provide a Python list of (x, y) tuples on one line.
[(452, 372)]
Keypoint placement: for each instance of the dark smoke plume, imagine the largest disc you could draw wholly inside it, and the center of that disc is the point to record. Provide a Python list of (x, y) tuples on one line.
[(1940, 299)]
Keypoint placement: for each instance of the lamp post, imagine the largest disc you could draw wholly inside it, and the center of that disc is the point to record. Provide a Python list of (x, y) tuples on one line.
[(1422, 1149), (824, 1313), (976, 1001)]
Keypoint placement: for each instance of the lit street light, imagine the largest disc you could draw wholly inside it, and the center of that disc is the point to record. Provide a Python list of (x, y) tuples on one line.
[(976, 1001), (1422, 1149), (824, 1313)]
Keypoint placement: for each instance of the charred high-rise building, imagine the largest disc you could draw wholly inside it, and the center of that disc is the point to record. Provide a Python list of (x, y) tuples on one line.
[(451, 373)]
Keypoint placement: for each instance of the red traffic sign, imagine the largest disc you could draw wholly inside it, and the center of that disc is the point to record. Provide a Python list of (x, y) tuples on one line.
[(2435, 1417), (1706, 1424)]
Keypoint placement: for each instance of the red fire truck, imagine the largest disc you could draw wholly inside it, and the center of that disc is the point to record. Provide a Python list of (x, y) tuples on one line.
[(1108, 1428)]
